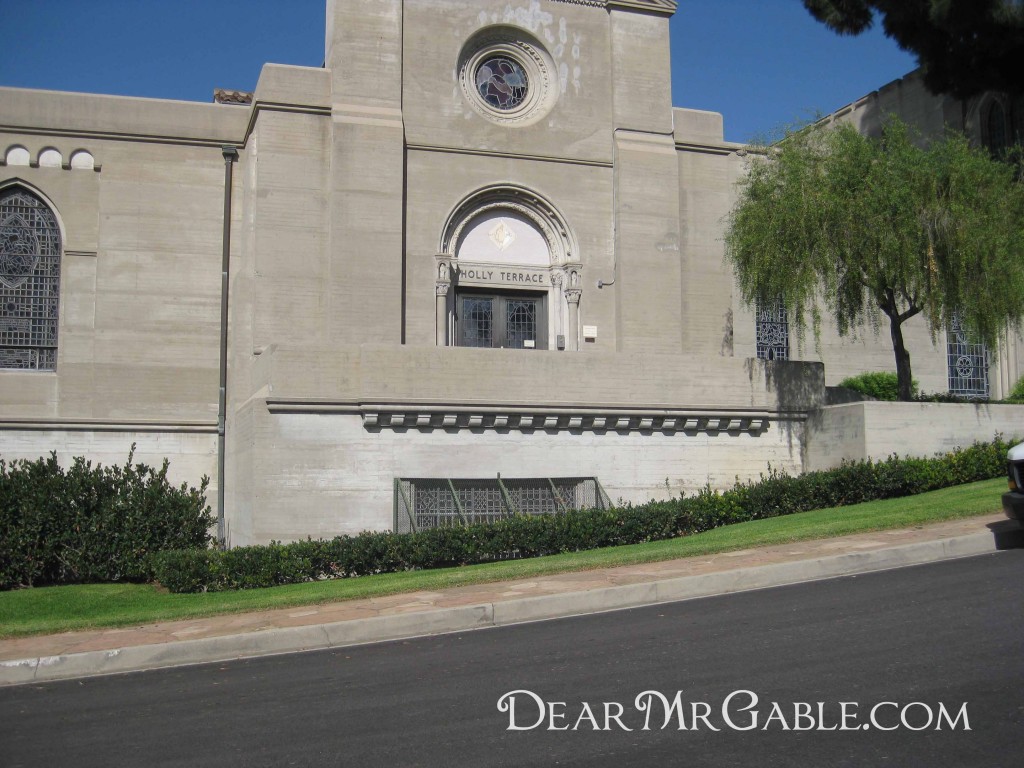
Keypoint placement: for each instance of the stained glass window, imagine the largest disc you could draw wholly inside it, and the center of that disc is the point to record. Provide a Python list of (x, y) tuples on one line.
[(29, 281), (521, 322), (967, 362), (772, 331), (501, 82), (477, 319)]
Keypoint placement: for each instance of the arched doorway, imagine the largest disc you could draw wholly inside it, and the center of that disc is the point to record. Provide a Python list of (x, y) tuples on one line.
[(508, 275)]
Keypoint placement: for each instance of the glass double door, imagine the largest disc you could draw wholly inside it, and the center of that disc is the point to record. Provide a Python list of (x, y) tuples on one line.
[(508, 320)]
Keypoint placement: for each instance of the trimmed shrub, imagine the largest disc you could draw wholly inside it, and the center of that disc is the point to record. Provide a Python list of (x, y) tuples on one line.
[(881, 385), (1017, 393), (92, 524), (773, 494), (188, 570)]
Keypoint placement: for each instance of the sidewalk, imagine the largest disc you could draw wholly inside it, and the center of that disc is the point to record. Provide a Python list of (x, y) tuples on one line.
[(218, 638)]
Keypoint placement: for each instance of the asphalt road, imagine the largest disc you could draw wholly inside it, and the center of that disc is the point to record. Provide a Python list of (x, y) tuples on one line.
[(908, 650)]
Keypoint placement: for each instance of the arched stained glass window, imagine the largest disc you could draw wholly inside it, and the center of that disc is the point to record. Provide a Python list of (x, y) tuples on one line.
[(29, 281)]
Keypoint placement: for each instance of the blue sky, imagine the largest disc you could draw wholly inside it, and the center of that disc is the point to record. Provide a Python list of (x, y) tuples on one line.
[(762, 63)]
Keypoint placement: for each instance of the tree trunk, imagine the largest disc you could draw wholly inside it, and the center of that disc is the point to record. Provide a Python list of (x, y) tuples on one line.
[(903, 376)]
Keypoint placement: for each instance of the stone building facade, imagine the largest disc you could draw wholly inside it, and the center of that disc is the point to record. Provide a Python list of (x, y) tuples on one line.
[(994, 121), (478, 242)]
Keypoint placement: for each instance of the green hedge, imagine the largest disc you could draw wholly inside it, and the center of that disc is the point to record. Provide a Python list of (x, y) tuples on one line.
[(92, 524), (772, 495), (881, 385), (1017, 393)]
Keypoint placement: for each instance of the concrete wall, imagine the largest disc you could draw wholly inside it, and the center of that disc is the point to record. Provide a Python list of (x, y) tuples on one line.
[(318, 446), (336, 476), (439, 181), (709, 169), (192, 455), (139, 304), (467, 376), (437, 114), (875, 430), (867, 351), (139, 313)]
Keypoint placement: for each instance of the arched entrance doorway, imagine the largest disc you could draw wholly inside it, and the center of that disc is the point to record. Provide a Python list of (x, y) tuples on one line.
[(508, 275)]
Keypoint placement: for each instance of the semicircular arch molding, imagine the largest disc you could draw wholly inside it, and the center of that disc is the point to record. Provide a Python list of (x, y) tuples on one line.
[(519, 201)]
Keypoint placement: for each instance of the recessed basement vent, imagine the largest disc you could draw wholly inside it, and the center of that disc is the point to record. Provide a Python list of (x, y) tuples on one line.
[(431, 502)]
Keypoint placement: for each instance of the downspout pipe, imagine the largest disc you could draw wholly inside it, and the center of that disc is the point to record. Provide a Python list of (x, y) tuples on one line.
[(230, 156)]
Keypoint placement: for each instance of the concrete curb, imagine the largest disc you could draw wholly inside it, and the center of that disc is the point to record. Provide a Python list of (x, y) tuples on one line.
[(444, 620)]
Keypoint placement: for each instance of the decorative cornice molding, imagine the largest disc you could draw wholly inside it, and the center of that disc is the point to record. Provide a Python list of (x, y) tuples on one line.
[(509, 155), (275, 106), (665, 7), (423, 417), (710, 149), (547, 421), (147, 138), (102, 425)]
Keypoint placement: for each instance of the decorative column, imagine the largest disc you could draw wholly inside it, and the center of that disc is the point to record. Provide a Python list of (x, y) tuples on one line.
[(573, 291), (444, 282)]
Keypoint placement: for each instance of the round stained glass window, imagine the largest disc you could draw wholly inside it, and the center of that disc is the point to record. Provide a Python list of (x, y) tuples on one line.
[(501, 82)]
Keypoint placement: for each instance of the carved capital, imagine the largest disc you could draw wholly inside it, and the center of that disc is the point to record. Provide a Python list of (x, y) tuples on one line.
[(572, 295), (442, 288)]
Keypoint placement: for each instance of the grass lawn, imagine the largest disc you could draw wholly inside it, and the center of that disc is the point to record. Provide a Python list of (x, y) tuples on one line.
[(48, 610)]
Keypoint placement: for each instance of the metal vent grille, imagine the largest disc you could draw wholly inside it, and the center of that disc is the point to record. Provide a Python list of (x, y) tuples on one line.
[(422, 503)]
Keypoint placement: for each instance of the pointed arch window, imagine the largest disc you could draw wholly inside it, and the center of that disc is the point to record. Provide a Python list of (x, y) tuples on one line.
[(30, 250)]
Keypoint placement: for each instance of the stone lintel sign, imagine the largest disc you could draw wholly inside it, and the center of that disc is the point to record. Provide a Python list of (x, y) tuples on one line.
[(506, 276)]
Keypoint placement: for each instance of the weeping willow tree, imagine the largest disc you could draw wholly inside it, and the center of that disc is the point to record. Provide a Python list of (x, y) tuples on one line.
[(833, 222)]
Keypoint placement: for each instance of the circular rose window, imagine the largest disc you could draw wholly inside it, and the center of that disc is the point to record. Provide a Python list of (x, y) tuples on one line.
[(505, 75), (502, 82)]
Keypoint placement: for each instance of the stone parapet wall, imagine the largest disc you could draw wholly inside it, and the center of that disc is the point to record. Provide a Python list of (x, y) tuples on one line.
[(322, 474), (407, 375), (324, 437), (875, 430), (99, 116)]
